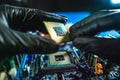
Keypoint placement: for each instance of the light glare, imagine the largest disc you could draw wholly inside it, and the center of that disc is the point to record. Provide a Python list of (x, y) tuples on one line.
[(115, 1)]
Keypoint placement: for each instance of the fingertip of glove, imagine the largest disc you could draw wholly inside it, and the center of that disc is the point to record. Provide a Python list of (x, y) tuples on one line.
[(75, 41), (54, 47)]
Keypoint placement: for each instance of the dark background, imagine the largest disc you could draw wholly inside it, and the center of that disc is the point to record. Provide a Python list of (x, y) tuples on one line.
[(63, 5)]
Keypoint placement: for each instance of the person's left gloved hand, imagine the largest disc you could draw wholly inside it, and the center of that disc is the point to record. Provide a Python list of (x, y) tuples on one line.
[(16, 21)]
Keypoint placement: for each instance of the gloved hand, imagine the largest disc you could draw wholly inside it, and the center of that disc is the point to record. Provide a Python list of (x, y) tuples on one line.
[(16, 21), (83, 34)]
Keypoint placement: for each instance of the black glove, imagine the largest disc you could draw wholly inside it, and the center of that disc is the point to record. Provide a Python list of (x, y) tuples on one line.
[(82, 34), (99, 21), (15, 21)]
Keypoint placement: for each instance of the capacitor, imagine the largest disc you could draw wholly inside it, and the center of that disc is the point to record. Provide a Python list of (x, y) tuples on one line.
[(59, 76), (37, 64)]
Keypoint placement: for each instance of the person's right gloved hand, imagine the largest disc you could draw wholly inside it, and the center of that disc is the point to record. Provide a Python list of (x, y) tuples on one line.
[(16, 21), (83, 34)]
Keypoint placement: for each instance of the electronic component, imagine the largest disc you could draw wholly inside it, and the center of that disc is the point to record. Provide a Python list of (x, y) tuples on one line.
[(57, 31), (59, 58)]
